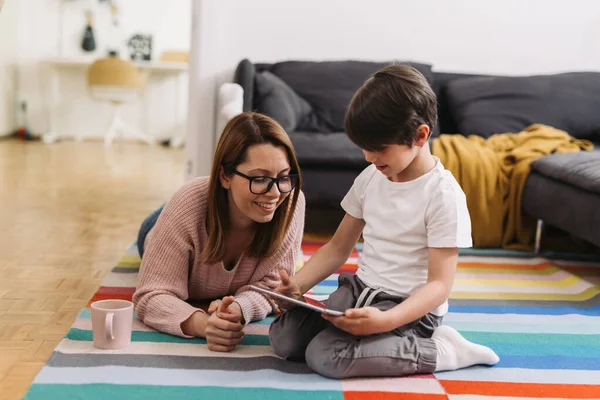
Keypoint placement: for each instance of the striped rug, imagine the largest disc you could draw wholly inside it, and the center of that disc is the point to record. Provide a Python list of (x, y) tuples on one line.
[(540, 316)]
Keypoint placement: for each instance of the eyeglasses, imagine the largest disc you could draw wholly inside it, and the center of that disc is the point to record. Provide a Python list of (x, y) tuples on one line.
[(262, 184)]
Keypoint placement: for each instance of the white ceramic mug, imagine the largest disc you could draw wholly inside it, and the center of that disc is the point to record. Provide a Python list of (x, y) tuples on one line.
[(111, 323)]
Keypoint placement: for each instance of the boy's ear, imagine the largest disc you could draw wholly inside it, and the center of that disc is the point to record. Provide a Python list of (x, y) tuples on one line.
[(225, 180), (423, 132)]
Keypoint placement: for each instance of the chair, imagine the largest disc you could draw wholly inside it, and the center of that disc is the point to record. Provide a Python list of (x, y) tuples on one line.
[(119, 82)]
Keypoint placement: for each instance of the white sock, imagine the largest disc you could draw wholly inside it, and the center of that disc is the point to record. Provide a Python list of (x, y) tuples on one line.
[(455, 352)]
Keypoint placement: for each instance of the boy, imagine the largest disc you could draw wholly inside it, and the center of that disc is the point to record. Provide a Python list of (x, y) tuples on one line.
[(413, 216)]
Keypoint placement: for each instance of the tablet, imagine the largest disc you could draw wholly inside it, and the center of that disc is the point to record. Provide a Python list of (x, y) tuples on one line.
[(312, 304)]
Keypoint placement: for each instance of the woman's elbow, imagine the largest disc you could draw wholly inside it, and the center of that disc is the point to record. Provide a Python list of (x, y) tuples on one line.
[(139, 300)]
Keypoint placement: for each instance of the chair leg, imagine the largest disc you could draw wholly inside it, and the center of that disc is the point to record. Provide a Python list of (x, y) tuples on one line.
[(143, 136), (119, 125), (113, 129), (538, 236), (137, 133)]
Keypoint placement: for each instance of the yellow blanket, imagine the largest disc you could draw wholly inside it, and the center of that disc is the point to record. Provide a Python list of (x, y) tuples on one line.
[(492, 173)]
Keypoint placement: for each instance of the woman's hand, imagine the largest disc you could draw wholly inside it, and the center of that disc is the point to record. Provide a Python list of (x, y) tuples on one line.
[(287, 287), (361, 321), (224, 326)]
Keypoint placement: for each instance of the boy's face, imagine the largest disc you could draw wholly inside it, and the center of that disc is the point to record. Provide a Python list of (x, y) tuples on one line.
[(393, 159)]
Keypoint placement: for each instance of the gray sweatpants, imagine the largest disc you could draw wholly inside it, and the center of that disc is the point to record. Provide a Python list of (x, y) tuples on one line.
[(302, 334)]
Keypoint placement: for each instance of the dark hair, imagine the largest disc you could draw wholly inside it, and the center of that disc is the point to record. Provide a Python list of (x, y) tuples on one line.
[(389, 107), (241, 132)]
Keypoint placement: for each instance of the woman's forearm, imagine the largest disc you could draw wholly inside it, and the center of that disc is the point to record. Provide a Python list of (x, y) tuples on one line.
[(195, 325)]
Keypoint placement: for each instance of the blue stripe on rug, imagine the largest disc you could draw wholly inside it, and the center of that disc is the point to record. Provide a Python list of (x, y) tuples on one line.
[(509, 349), (524, 328), (549, 363)]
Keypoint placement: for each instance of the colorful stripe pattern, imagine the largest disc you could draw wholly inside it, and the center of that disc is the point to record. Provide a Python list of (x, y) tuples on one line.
[(539, 316)]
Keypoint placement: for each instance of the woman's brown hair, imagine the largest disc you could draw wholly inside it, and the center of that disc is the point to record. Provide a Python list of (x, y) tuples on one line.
[(241, 132)]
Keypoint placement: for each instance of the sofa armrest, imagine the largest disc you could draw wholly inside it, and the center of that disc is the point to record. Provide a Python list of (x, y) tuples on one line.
[(230, 102)]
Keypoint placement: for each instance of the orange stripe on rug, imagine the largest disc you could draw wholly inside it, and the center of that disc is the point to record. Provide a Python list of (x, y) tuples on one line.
[(100, 296), (311, 248), (348, 268), (116, 290), (519, 267), (392, 396), (518, 389)]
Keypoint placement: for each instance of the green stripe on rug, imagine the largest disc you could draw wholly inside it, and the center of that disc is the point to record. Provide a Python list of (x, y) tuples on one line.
[(556, 339), (157, 337), (115, 392)]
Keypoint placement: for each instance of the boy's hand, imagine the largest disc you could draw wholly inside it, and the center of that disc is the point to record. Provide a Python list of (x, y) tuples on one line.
[(361, 321), (287, 287)]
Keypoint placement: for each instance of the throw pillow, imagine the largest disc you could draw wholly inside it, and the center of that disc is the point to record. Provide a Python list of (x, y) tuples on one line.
[(275, 98)]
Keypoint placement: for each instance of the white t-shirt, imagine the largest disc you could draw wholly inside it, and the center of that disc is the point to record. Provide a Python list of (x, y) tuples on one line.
[(404, 219)]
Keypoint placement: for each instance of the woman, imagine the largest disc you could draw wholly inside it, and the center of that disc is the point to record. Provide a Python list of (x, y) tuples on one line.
[(221, 233)]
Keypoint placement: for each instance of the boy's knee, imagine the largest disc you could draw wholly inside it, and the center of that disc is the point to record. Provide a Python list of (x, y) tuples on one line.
[(324, 359), (282, 340)]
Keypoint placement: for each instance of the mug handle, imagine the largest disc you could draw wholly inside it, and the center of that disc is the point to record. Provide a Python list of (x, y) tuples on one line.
[(108, 326)]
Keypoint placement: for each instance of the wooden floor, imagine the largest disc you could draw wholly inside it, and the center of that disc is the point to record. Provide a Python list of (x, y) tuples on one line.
[(68, 211)]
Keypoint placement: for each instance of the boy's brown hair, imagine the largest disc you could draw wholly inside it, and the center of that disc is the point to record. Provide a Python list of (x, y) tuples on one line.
[(241, 132), (389, 107)]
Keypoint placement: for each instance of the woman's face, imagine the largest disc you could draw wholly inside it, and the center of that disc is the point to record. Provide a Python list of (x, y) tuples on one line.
[(262, 160)]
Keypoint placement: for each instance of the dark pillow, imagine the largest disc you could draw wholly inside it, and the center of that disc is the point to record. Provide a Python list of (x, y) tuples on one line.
[(488, 105), (329, 86), (275, 98)]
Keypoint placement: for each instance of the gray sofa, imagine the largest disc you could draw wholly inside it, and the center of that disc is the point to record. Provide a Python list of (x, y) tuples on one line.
[(309, 99)]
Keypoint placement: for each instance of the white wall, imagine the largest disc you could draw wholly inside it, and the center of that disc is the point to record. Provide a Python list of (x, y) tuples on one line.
[(53, 28), (495, 36), (8, 61)]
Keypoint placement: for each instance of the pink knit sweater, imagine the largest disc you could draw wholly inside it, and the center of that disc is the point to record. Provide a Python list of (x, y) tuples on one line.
[(171, 272)]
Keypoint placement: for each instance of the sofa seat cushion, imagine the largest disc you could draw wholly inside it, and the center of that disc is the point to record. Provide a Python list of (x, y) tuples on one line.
[(580, 169), (333, 150), (563, 205)]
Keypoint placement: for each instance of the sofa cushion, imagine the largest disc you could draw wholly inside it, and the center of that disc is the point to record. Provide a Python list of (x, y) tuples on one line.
[(488, 105), (329, 86), (277, 100), (564, 206), (333, 150), (580, 169)]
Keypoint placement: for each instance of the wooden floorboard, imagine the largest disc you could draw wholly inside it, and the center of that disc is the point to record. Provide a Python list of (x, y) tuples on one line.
[(68, 211)]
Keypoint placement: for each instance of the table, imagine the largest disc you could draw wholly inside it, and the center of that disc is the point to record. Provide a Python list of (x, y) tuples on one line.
[(55, 65)]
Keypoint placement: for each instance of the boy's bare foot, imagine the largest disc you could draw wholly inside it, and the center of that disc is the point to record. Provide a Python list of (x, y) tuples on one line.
[(455, 352)]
